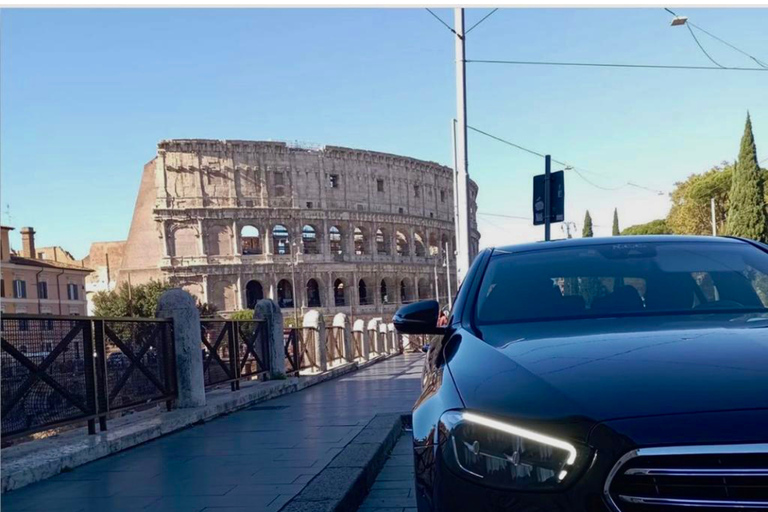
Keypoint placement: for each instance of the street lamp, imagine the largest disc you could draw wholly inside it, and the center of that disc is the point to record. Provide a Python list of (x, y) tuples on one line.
[(679, 20)]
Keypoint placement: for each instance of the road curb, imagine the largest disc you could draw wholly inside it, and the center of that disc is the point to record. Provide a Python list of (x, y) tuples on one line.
[(344, 483)]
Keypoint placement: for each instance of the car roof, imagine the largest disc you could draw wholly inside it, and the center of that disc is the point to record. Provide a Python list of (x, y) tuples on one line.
[(630, 239)]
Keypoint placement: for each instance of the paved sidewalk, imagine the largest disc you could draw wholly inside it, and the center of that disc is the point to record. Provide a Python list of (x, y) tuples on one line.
[(393, 489), (256, 459)]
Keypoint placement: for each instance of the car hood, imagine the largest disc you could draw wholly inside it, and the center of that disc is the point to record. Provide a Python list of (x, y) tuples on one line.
[(588, 371)]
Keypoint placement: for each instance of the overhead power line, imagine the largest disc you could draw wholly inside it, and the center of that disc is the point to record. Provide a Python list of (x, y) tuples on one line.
[(610, 65), (569, 167), (689, 24), (479, 22), (516, 217), (438, 18)]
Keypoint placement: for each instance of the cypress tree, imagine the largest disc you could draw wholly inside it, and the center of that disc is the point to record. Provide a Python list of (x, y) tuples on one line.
[(586, 232), (616, 231), (746, 215)]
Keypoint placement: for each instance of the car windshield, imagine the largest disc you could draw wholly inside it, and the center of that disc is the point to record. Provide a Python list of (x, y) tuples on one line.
[(622, 279)]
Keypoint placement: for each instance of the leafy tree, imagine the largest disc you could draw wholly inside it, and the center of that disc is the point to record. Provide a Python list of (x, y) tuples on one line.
[(691, 213), (587, 231), (746, 214), (137, 301), (243, 314), (655, 227), (615, 231)]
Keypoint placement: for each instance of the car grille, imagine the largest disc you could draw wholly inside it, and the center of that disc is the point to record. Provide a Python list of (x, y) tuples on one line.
[(690, 478)]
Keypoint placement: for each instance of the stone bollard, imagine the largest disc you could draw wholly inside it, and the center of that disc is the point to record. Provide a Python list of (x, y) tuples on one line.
[(268, 312), (358, 330), (340, 323), (182, 308), (393, 342), (373, 336), (314, 332), (383, 338)]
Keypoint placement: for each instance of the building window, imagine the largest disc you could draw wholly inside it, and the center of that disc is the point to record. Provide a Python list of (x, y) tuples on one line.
[(400, 211), (19, 289), (2, 287), (380, 185), (442, 196), (72, 291), (333, 180), (309, 204), (416, 191), (42, 290)]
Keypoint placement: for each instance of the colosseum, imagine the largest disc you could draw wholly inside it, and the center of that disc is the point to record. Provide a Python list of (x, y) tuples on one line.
[(234, 221)]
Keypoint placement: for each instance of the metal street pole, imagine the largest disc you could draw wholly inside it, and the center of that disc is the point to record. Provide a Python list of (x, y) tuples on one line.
[(547, 198), (462, 259), (437, 288), (456, 213), (714, 222), (294, 257), (448, 275)]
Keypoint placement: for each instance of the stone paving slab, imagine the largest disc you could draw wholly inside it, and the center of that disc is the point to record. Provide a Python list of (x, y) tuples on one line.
[(254, 459), (27, 463)]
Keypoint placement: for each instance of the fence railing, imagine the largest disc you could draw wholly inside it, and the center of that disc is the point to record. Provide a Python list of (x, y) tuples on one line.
[(293, 351), (233, 350), (58, 370)]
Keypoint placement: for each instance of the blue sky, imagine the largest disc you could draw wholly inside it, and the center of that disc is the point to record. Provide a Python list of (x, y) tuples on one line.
[(85, 95)]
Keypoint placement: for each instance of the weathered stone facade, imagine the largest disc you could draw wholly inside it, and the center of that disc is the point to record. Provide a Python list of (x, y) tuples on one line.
[(235, 221)]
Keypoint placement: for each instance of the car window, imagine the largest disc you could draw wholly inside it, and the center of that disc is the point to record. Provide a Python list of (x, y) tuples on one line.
[(616, 279)]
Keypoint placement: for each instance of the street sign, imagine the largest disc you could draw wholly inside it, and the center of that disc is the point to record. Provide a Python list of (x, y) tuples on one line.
[(556, 198)]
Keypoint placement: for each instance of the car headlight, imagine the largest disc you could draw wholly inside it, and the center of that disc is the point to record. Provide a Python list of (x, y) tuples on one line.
[(500, 454)]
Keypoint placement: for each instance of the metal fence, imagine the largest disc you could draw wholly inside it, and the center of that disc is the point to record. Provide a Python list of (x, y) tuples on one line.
[(293, 350), (334, 341), (58, 370), (234, 350)]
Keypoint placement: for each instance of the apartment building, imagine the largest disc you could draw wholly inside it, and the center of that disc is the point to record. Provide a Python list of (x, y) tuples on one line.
[(34, 285)]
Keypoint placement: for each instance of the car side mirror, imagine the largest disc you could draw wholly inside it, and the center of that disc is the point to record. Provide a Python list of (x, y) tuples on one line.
[(418, 318)]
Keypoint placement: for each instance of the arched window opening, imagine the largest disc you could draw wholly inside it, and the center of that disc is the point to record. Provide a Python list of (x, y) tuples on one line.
[(384, 292), (309, 240), (250, 240), (360, 242), (405, 292), (284, 294), (339, 295), (334, 237), (313, 294), (434, 248), (254, 292), (402, 245), (419, 248), (444, 244), (382, 247), (281, 240), (362, 290), (424, 289)]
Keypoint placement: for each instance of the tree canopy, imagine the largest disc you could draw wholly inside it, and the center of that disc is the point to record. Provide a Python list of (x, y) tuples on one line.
[(137, 301), (691, 212), (746, 213), (586, 232), (655, 227)]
